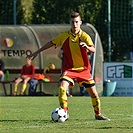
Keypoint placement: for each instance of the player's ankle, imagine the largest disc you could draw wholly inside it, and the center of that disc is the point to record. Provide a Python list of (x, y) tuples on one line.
[(66, 108), (15, 93)]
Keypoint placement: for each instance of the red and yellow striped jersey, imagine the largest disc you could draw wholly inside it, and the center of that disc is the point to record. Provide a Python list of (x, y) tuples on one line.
[(75, 57)]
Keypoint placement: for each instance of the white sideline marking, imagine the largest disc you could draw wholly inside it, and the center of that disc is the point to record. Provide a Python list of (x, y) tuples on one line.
[(129, 115), (28, 127), (125, 117)]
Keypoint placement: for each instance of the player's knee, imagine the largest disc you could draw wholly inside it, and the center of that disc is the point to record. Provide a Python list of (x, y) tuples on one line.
[(88, 85), (62, 90)]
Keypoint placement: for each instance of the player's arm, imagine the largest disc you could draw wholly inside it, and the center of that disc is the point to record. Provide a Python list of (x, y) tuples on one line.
[(87, 43), (32, 71), (22, 71), (89, 48), (60, 54), (44, 47)]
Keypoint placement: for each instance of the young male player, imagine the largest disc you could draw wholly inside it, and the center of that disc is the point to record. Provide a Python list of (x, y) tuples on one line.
[(75, 44)]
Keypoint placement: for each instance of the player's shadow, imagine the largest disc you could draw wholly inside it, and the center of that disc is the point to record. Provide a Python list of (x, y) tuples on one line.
[(119, 127), (39, 121)]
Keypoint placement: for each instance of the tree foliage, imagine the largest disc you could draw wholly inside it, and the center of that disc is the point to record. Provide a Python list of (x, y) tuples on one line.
[(92, 11), (121, 42), (51, 11), (7, 12)]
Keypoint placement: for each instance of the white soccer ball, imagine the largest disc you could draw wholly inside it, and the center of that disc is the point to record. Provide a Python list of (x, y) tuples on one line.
[(59, 115)]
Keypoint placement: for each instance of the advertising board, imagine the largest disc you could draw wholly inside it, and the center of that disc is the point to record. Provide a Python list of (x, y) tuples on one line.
[(122, 73)]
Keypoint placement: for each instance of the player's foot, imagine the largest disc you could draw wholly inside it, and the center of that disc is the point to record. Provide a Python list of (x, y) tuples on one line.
[(67, 117), (69, 95), (102, 117), (15, 93), (21, 93)]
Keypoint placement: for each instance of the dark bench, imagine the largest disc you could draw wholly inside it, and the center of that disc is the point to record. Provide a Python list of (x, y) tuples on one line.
[(17, 71)]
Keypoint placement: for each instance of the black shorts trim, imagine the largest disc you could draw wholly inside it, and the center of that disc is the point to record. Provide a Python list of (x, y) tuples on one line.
[(88, 85), (65, 80)]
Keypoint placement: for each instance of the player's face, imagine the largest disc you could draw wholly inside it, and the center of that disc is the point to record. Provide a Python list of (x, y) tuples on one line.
[(28, 61), (75, 24)]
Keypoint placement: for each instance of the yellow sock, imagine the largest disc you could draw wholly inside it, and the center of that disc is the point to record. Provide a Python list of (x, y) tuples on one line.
[(96, 105), (15, 87), (23, 88), (63, 98)]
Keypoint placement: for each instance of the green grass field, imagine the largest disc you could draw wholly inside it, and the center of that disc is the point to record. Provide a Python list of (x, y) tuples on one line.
[(33, 115)]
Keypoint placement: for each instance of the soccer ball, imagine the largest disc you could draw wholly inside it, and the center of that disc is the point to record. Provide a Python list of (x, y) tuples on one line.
[(59, 115)]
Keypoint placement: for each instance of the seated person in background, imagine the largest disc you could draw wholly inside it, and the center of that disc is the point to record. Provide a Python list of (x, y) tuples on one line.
[(1, 70), (27, 72), (34, 81), (33, 87)]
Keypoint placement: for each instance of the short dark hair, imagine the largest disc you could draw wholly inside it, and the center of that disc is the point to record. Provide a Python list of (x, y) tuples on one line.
[(28, 57), (75, 14)]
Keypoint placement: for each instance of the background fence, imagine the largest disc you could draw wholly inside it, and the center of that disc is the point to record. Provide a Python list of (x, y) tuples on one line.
[(16, 12)]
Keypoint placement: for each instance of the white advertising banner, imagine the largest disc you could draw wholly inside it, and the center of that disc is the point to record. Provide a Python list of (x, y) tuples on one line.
[(122, 73)]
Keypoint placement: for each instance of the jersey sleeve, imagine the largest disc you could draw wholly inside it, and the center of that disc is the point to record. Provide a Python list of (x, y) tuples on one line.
[(33, 71), (22, 70), (87, 39), (57, 41)]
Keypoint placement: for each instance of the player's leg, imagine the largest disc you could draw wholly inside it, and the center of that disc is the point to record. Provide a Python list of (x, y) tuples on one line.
[(91, 89), (96, 103), (68, 92), (95, 99), (17, 81), (85, 79), (62, 94), (24, 85), (66, 81)]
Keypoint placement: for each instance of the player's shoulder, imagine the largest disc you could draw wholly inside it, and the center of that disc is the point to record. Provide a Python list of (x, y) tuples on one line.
[(63, 34), (32, 65), (83, 33)]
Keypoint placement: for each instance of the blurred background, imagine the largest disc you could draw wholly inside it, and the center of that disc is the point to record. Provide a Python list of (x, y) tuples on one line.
[(31, 23), (113, 20)]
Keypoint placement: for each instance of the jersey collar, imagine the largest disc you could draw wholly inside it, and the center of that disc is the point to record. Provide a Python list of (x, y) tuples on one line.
[(79, 33)]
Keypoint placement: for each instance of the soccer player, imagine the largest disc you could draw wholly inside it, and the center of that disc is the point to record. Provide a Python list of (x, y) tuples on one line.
[(75, 44), (27, 72)]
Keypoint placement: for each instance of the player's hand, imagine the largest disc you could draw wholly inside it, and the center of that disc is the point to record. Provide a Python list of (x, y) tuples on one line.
[(23, 76), (32, 56), (89, 49), (84, 45)]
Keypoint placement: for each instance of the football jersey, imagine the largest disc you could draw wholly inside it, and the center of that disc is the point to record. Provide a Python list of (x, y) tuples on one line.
[(75, 56), (28, 70)]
